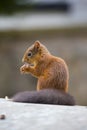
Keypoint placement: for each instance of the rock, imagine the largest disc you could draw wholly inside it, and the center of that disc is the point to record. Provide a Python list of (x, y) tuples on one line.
[(2, 117), (22, 116)]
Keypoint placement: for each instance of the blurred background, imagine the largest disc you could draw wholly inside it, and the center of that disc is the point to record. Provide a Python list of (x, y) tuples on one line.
[(61, 25)]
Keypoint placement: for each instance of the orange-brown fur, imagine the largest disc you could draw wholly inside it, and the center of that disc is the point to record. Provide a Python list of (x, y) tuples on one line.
[(51, 71)]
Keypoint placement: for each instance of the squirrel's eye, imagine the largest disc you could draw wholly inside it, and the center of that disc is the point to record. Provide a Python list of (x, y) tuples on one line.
[(29, 54)]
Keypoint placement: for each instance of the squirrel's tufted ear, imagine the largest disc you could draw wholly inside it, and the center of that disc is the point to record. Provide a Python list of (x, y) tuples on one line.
[(37, 44)]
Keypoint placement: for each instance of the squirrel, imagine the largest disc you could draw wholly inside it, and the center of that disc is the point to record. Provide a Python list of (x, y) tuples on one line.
[(52, 73)]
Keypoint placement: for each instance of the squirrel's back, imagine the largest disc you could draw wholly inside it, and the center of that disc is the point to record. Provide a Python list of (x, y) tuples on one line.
[(55, 75)]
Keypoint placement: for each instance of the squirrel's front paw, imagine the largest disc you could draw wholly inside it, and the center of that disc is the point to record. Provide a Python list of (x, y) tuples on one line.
[(24, 69)]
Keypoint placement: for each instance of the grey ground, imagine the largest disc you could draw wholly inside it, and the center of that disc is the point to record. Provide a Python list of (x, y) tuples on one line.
[(21, 116)]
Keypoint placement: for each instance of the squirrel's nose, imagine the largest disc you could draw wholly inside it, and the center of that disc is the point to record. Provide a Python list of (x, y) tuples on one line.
[(22, 59)]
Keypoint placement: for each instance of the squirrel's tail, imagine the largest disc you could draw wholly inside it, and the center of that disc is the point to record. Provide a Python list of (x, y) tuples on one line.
[(45, 96)]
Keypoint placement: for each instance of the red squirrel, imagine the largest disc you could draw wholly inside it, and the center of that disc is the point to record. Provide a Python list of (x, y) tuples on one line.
[(52, 74)]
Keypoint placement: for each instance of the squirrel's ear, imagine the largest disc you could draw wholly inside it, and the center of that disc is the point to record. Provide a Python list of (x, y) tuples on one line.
[(37, 44)]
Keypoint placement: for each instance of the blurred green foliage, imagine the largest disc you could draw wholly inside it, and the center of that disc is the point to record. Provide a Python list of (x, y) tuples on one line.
[(7, 6), (12, 6)]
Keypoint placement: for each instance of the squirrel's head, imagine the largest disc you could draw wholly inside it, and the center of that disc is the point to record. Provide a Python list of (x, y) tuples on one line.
[(35, 53)]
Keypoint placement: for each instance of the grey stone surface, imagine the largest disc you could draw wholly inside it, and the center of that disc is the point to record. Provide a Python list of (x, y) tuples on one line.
[(21, 116)]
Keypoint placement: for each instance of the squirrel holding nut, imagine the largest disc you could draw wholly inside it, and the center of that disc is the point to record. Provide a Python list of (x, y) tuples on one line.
[(52, 74)]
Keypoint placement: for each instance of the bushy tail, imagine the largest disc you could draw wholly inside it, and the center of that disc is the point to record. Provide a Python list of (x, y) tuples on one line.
[(45, 96)]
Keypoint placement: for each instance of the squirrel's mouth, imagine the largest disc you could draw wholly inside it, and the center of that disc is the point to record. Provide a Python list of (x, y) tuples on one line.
[(28, 64)]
